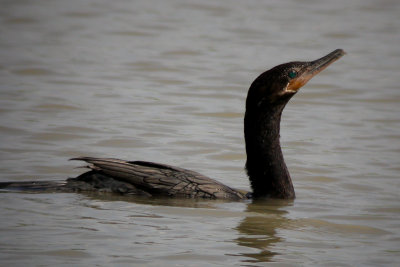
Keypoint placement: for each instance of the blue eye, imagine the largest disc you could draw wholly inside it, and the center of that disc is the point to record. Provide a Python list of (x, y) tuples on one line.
[(292, 74)]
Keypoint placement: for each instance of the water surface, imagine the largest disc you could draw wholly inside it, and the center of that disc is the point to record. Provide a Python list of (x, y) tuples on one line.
[(166, 81)]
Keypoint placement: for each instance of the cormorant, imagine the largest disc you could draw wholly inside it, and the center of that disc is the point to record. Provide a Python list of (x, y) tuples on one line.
[(266, 168)]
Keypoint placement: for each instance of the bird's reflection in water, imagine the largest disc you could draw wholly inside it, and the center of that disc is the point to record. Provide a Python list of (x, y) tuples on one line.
[(259, 229), (156, 201)]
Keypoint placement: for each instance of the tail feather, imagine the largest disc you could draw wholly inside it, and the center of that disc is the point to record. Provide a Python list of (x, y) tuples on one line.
[(33, 186)]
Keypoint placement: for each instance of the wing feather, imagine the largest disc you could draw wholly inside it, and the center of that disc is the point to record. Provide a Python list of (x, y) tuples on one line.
[(162, 178)]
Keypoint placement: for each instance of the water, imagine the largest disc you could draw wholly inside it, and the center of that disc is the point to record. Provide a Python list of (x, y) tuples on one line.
[(166, 81)]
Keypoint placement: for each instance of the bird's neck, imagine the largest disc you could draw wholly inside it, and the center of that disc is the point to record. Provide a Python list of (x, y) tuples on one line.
[(265, 165)]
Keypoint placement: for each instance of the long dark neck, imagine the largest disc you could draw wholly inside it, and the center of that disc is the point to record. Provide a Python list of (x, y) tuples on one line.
[(265, 165)]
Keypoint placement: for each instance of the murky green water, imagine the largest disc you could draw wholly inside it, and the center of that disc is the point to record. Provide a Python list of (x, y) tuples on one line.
[(166, 81)]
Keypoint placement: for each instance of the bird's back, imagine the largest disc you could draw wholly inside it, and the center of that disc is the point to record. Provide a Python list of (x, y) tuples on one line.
[(153, 179)]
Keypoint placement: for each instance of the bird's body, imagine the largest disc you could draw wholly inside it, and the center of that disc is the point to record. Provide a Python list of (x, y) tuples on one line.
[(156, 179), (265, 165)]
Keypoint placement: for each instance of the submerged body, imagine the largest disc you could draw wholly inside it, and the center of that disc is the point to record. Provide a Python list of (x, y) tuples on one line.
[(266, 168), (136, 178)]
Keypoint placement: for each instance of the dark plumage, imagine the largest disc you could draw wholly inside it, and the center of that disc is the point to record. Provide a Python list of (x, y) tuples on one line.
[(265, 165), (156, 179)]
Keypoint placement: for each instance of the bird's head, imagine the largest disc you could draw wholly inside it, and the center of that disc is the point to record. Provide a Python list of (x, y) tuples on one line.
[(276, 86)]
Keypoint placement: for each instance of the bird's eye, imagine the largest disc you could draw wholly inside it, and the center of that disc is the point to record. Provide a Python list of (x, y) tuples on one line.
[(292, 74)]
